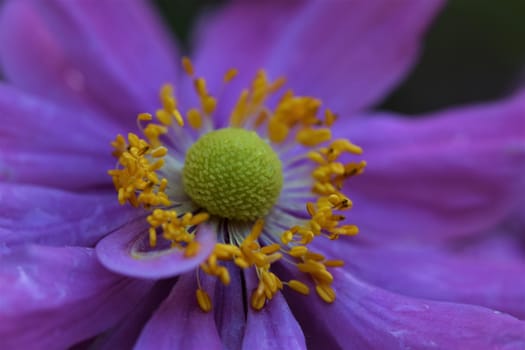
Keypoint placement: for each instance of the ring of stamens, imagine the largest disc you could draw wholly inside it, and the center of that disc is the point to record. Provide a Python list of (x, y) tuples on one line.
[(139, 181)]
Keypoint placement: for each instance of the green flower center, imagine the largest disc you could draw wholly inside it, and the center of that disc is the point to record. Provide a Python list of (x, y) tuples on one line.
[(233, 173)]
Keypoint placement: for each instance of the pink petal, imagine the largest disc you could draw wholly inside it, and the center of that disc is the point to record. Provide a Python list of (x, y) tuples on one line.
[(104, 54), (125, 251), (53, 298), (179, 323), (454, 173)]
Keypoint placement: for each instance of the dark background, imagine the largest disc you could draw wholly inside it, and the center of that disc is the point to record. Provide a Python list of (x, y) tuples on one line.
[(474, 51)]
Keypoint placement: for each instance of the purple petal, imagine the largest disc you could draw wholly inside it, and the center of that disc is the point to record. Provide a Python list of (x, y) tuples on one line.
[(348, 53), (46, 216), (125, 334), (104, 54), (440, 275), (42, 143), (273, 327), (229, 309), (179, 323), (252, 29), (457, 172), (366, 317), (125, 251), (56, 297)]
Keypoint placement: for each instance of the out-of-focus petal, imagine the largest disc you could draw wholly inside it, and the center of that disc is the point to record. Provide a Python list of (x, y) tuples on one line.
[(453, 173), (364, 316), (179, 323), (127, 251), (238, 35), (45, 144), (31, 214), (111, 55), (348, 53), (273, 327), (441, 275), (53, 297)]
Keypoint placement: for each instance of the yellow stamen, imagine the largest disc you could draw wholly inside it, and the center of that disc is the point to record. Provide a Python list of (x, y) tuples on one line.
[(299, 287), (194, 118), (230, 75), (203, 299), (188, 66), (326, 292)]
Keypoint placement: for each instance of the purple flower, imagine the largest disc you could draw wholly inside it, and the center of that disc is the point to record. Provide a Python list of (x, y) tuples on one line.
[(437, 263)]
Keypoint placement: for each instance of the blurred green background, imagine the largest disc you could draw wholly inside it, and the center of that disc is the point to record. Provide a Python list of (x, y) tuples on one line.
[(474, 51)]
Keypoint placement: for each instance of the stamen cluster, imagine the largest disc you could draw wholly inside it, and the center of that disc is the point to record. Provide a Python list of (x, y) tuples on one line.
[(141, 161)]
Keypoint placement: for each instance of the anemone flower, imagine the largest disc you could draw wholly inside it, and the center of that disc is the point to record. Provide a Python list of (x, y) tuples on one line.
[(227, 213)]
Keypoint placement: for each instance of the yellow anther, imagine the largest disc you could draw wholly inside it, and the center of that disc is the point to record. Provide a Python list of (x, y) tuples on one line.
[(329, 118), (326, 292), (200, 87), (298, 251), (276, 85), (133, 139), (268, 279), (152, 237), (258, 300), (159, 152), (224, 276), (323, 276), (166, 91), (334, 263), (240, 113), (339, 146), (119, 146), (314, 256), (209, 104), (230, 74), (298, 286), (270, 259), (310, 208), (145, 117), (256, 231), (242, 263), (261, 118), (310, 266), (270, 249), (199, 218), (192, 249), (277, 131), (188, 66), (178, 118), (194, 118), (287, 237), (313, 137), (316, 157), (203, 299)]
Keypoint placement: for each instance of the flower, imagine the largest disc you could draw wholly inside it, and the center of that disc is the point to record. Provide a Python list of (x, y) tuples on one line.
[(409, 279)]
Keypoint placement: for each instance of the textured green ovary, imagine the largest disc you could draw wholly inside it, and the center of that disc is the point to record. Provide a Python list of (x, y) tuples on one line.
[(233, 173)]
